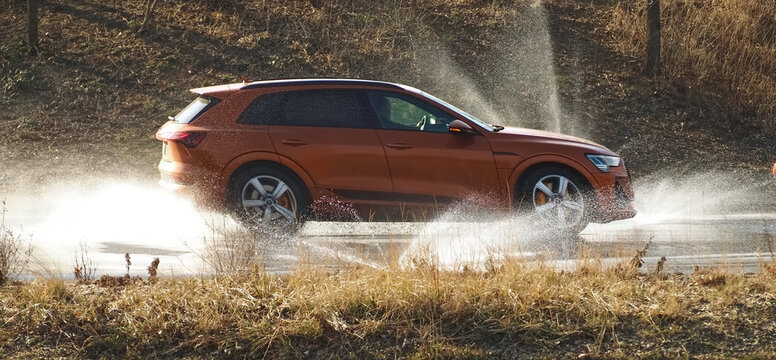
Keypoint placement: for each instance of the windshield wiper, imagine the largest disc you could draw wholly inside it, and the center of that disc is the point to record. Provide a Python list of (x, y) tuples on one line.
[(497, 128)]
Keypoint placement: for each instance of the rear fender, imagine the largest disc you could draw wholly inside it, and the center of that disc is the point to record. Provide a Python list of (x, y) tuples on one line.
[(233, 165)]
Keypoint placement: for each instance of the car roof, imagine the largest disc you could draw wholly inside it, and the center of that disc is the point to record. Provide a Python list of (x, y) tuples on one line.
[(228, 88)]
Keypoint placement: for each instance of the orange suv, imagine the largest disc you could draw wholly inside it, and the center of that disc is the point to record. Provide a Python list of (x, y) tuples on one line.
[(272, 152)]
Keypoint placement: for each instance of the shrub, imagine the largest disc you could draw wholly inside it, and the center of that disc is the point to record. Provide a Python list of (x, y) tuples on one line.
[(14, 251)]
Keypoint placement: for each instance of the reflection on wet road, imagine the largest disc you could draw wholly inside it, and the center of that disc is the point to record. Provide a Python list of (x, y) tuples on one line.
[(144, 221), (735, 242)]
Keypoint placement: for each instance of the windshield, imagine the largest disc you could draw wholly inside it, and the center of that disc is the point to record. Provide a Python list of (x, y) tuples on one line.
[(192, 110), (471, 117)]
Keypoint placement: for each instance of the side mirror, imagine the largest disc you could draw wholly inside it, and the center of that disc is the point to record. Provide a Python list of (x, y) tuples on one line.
[(460, 127)]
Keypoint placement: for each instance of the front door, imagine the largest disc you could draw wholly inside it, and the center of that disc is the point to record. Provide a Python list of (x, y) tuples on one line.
[(424, 157)]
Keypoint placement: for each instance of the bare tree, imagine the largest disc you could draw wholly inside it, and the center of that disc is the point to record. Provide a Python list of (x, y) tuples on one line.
[(32, 25), (653, 38)]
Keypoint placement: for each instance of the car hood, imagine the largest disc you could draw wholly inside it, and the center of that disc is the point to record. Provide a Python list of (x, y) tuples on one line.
[(509, 135)]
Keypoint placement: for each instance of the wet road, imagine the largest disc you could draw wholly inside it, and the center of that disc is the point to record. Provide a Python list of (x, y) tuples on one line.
[(739, 243), (109, 221)]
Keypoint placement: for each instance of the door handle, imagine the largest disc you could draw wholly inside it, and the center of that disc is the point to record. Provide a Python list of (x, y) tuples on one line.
[(293, 142), (399, 146)]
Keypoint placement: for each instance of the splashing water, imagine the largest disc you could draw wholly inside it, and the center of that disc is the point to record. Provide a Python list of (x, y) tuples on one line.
[(708, 194), (687, 209), (519, 87), (112, 218), (451, 82), (529, 69), (460, 239)]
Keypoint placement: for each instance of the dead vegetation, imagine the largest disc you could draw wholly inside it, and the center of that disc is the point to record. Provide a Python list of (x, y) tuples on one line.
[(235, 250), (84, 267), (517, 309), (15, 251), (722, 50)]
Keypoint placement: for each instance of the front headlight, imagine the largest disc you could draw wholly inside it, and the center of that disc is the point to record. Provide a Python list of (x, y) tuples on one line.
[(604, 162)]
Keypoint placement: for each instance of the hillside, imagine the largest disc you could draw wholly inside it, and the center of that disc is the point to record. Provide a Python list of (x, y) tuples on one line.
[(85, 108), (92, 98)]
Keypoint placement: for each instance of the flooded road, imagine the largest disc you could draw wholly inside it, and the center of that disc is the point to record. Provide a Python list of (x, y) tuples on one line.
[(108, 220)]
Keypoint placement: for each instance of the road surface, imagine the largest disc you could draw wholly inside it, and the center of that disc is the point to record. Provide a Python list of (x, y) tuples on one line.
[(113, 219)]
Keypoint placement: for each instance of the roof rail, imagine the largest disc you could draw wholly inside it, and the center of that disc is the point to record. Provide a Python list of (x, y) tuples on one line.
[(285, 82)]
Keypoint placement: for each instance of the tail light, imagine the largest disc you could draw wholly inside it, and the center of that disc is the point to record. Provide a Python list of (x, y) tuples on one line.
[(188, 139)]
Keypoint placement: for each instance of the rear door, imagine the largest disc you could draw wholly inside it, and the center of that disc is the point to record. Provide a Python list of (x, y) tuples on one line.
[(424, 157), (329, 133)]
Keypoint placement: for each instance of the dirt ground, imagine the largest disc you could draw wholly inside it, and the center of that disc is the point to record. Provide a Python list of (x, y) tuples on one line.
[(93, 108)]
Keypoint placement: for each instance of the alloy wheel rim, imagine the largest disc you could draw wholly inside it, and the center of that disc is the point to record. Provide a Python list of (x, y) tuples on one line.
[(269, 200), (558, 201)]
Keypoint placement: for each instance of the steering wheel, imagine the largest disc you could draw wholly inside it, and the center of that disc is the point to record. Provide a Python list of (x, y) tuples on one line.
[(422, 123)]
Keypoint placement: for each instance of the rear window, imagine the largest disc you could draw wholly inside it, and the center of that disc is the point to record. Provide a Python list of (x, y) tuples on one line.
[(323, 108), (194, 109)]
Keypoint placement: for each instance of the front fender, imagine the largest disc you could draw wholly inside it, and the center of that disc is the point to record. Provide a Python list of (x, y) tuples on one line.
[(548, 159)]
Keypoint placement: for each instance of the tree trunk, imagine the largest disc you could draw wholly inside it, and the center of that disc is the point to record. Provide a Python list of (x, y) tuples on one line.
[(653, 38), (32, 25)]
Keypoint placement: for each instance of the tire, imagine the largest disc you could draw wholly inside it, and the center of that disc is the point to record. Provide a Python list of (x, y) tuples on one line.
[(558, 197), (268, 198)]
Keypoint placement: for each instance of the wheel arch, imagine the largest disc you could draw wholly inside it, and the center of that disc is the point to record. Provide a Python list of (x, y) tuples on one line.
[(527, 171), (526, 167), (271, 164), (251, 160)]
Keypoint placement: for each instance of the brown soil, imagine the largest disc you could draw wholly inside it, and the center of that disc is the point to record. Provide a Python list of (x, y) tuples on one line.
[(93, 97)]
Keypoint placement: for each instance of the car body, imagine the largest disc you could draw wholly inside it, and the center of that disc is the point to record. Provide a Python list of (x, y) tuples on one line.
[(383, 149)]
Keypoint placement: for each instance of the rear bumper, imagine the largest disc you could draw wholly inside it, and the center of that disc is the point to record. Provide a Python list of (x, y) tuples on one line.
[(191, 183)]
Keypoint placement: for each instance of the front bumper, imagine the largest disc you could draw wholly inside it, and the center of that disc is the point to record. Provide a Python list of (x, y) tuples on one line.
[(614, 197)]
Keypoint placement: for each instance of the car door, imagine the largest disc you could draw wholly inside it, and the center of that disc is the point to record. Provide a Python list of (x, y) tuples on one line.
[(424, 157), (330, 134)]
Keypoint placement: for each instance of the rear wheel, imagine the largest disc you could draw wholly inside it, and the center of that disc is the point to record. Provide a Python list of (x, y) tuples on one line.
[(268, 198), (560, 198)]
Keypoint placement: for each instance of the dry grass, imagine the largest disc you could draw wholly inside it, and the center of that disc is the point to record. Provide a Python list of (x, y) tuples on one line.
[(84, 267), (722, 49), (514, 310)]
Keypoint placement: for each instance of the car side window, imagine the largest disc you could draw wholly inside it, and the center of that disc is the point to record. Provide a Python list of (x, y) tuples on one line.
[(322, 108), (262, 111), (403, 112)]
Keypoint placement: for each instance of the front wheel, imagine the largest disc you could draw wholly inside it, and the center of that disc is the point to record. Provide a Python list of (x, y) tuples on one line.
[(267, 198), (559, 197)]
